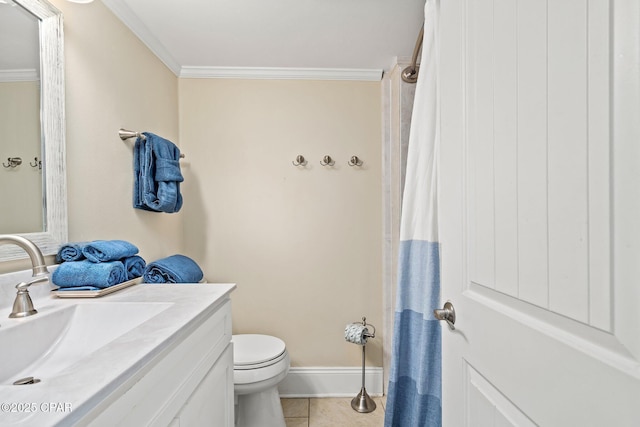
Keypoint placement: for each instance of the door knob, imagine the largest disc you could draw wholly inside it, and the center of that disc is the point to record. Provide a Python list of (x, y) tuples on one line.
[(447, 313)]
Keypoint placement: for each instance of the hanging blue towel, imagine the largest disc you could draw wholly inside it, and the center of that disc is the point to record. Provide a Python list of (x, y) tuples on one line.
[(157, 176), (71, 251), (109, 250), (134, 266), (173, 269), (86, 273)]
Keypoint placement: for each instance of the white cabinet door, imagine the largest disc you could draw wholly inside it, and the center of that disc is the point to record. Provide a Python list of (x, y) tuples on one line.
[(211, 404), (539, 212)]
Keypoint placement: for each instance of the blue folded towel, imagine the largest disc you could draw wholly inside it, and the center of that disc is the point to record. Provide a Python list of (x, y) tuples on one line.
[(71, 251), (86, 273), (134, 266), (157, 176), (108, 250), (173, 269)]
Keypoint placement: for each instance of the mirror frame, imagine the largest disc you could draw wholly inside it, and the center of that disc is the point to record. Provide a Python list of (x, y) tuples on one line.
[(52, 118)]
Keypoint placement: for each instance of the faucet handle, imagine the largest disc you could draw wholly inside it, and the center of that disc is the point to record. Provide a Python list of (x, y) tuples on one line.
[(24, 286), (23, 305)]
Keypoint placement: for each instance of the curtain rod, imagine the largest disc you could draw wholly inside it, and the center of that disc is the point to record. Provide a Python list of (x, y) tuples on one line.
[(410, 74)]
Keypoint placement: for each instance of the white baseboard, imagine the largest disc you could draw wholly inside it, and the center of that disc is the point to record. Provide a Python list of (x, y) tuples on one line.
[(330, 382)]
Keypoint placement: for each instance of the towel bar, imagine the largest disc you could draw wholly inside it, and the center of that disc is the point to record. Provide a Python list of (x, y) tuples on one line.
[(127, 134)]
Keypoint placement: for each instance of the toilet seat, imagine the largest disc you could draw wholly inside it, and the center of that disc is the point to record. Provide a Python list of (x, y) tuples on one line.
[(258, 358), (254, 351)]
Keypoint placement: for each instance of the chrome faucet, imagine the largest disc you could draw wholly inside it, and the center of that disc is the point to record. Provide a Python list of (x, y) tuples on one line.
[(23, 305)]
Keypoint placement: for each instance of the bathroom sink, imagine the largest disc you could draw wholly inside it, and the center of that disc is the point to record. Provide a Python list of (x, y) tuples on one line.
[(62, 334), (86, 352)]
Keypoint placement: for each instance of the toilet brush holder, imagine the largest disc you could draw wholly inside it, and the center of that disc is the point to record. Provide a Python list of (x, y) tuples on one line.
[(358, 333)]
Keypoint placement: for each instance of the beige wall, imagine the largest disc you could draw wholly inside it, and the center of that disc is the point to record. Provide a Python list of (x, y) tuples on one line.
[(303, 244), (113, 81), (20, 187)]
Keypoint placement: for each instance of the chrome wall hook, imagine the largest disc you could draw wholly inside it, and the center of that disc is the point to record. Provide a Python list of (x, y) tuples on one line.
[(355, 161), (36, 163), (299, 161), (327, 161), (12, 162)]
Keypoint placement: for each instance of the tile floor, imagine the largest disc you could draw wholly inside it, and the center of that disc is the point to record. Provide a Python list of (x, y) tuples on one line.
[(330, 412)]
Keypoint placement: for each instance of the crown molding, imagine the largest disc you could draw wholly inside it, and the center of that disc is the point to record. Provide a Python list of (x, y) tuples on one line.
[(123, 12), (20, 75), (128, 18), (266, 73)]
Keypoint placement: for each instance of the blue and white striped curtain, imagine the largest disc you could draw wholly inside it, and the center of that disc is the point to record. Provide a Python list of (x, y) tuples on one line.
[(414, 393)]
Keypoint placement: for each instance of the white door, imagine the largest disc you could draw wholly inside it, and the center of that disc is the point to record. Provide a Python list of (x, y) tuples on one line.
[(540, 212)]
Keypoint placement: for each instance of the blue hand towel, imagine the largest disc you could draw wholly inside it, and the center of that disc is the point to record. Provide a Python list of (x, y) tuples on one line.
[(157, 176), (71, 251), (134, 266), (173, 269), (109, 250), (87, 273)]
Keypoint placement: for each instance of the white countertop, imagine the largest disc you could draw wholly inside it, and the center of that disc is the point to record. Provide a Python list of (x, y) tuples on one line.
[(71, 393)]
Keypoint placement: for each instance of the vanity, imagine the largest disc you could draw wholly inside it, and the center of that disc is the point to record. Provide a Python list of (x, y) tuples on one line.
[(158, 355)]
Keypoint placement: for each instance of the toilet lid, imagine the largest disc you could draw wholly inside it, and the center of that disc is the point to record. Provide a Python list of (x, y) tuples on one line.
[(253, 349)]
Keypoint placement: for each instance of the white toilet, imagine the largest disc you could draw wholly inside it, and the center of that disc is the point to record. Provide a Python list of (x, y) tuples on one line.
[(260, 363)]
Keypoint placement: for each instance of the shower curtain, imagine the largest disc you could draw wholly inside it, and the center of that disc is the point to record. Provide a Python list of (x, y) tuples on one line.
[(414, 392)]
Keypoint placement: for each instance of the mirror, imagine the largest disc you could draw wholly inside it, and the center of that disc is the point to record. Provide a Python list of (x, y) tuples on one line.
[(20, 121), (32, 125)]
